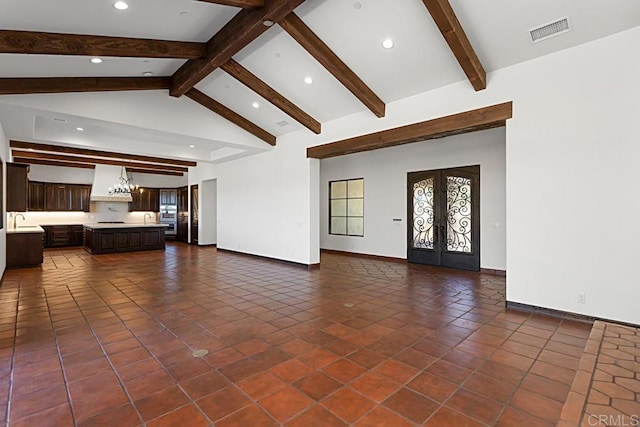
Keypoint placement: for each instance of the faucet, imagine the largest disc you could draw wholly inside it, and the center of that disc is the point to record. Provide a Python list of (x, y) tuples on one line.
[(145, 217), (15, 219)]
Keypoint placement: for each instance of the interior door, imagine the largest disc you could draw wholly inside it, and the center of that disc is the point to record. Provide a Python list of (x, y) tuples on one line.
[(182, 232), (194, 214), (443, 211)]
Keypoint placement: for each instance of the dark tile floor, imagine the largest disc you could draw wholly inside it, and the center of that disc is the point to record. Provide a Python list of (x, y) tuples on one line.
[(109, 340)]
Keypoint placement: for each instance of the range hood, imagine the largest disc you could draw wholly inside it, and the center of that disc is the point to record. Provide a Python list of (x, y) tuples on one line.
[(106, 176)]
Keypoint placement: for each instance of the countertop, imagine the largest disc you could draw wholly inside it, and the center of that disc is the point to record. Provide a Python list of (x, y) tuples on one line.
[(97, 226), (24, 229)]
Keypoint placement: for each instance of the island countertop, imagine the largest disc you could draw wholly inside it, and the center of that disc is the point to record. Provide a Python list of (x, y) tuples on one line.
[(98, 226)]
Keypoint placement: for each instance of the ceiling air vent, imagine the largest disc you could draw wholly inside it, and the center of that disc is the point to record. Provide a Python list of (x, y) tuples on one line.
[(549, 30), (283, 123)]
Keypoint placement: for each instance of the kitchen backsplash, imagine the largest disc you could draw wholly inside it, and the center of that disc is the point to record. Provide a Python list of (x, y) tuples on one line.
[(100, 211)]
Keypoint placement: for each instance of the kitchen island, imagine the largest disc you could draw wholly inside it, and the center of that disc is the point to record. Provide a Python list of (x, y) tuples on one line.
[(107, 238)]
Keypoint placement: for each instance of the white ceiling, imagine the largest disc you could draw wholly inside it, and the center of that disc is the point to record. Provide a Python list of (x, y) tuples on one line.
[(154, 123)]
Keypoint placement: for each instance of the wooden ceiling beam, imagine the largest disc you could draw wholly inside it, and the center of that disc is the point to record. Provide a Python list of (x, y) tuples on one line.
[(247, 78), (246, 26), (22, 86), (447, 21), (94, 160), (245, 4), (25, 160), (57, 163), (98, 153), (468, 121), (301, 33), (230, 115), (33, 42)]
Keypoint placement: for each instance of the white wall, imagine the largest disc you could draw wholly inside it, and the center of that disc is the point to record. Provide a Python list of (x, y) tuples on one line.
[(85, 176), (385, 183), (264, 204), (4, 154)]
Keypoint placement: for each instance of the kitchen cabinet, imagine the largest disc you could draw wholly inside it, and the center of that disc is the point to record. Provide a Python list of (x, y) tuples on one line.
[(56, 197), (182, 232), (168, 197), (24, 249), (52, 197), (145, 200), (36, 196), (17, 187), (60, 236), (78, 196)]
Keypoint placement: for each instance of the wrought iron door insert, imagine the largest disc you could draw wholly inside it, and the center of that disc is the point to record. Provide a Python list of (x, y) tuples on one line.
[(443, 212)]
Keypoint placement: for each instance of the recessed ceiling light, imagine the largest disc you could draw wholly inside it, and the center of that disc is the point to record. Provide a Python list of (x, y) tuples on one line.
[(387, 44), (80, 129), (308, 80), (147, 73), (267, 23), (357, 5), (255, 105), (192, 146), (121, 5), (184, 13), (96, 60)]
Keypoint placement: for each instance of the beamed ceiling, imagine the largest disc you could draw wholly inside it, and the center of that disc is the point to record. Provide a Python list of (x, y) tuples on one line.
[(213, 80)]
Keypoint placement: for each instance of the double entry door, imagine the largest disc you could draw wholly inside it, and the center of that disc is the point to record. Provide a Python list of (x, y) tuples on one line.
[(443, 217)]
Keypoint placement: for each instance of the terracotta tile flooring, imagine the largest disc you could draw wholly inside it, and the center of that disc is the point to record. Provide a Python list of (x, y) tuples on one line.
[(108, 341)]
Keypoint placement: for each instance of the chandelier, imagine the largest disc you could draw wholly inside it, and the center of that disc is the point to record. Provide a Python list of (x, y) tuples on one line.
[(125, 187)]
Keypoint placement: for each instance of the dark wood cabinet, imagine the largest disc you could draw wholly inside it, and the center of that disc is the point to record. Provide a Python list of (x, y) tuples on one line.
[(47, 196), (78, 197), (24, 249), (182, 232), (129, 239), (60, 236), (36, 196), (56, 197), (17, 187), (145, 200)]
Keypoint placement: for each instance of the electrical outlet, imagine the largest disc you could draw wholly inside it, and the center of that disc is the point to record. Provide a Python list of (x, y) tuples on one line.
[(582, 298)]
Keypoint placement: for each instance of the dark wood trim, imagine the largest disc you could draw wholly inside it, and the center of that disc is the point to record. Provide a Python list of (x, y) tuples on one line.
[(544, 311), (246, 26), (230, 115), (455, 124), (22, 86), (494, 272), (95, 161), (44, 162), (245, 4), (447, 21), (301, 33), (154, 172), (248, 79), (366, 256), (33, 42), (98, 153), (266, 258)]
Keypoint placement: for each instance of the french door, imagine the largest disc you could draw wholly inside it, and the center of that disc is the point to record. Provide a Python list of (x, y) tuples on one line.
[(443, 217)]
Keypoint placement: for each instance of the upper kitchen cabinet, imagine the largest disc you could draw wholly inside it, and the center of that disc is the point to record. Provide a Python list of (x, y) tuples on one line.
[(56, 197), (168, 197), (59, 197), (17, 187), (145, 200), (36, 196), (79, 197)]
